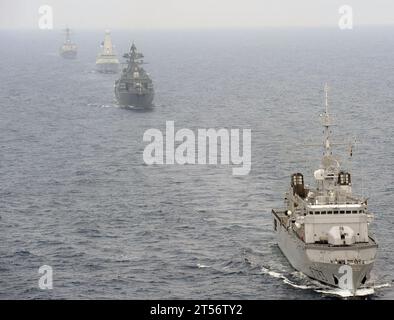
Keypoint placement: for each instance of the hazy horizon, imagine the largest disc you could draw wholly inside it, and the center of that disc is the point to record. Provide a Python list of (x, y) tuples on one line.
[(194, 14)]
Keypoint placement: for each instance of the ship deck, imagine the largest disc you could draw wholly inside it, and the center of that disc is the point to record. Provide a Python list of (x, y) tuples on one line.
[(283, 219)]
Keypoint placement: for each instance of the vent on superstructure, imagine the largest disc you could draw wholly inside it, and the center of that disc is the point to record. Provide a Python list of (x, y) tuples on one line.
[(344, 178)]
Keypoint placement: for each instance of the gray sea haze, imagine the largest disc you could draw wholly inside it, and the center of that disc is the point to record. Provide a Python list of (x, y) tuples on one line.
[(75, 193)]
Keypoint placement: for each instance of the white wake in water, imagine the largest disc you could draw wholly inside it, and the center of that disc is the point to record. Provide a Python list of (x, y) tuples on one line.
[(359, 293), (98, 105), (285, 279), (321, 288)]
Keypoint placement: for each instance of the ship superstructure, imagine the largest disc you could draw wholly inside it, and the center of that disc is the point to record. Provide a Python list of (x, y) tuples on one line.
[(107, 61)]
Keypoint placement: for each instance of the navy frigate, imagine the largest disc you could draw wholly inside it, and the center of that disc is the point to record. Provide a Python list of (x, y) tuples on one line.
[(324, 231), (106, 61), (134, 87), (69, 49)]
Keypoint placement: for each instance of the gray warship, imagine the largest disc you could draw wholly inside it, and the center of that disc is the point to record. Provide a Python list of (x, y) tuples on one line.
[(134, 87), (68, 50), (323, 231), (106, 61)]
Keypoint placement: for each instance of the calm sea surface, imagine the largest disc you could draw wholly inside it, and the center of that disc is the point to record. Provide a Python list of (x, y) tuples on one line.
[(75, 193)]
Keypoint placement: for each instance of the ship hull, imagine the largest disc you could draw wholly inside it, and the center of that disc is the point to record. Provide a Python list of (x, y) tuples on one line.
[(107, 67), (69, 54), (316, 260), (133, 99)]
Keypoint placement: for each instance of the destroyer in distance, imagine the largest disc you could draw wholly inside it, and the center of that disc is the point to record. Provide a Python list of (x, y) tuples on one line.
[(69, 49), (323, 232)]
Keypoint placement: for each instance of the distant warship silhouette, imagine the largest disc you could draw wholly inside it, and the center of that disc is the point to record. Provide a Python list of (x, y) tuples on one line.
[(68, 50), (134, 87), (106, 61)]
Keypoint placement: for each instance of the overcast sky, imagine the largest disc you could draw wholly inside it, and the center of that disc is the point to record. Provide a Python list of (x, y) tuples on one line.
[(156, 14)]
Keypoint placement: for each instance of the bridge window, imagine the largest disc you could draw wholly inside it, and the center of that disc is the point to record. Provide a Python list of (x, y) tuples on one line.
[(342, 212)]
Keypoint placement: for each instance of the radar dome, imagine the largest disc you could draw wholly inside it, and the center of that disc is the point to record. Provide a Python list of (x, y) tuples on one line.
[(319, 174)]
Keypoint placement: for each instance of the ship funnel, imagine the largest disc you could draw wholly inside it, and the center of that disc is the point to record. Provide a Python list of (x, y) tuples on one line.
[(297, 183)]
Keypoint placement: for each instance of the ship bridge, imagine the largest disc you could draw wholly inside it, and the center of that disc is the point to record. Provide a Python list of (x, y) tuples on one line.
[(334, 218)]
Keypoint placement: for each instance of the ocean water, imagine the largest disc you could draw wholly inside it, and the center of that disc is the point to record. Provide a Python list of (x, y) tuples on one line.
[(75, 193)]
